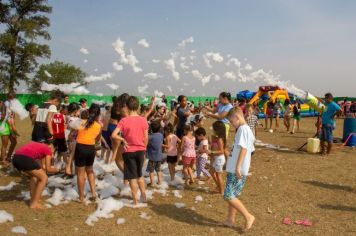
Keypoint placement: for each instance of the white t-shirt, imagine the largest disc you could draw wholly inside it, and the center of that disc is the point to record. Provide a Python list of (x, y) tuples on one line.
[(244, 138), (203, 143), (43, 111)]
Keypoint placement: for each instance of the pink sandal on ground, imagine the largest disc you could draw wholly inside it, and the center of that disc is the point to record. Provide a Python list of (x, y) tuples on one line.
[(305, 222), (287, 221)]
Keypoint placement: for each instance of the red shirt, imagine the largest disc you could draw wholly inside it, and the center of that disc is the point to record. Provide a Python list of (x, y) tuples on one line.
[(133, 130), (34, 150), (58, 125)]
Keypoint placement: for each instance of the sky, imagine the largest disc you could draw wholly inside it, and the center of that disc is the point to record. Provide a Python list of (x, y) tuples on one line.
[(312, 44)]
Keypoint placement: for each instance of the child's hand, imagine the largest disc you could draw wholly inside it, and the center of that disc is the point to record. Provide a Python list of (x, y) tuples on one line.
[(238, 173), (125, 144)]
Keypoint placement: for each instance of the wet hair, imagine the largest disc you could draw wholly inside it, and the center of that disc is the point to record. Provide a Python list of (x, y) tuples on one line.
[(287, 102), (113, 99), (84, 114), (155, 126), (94, 113), (329, 95), (133, 103), (118, 104), (82, 100), (225, 95), (169, 128), (187, 128), (180, 98), (56, 95), (29, 106), (220, 130), (72, 107), (200, 131)]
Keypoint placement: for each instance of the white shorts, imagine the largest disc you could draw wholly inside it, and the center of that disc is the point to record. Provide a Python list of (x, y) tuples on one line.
[(219, 163)]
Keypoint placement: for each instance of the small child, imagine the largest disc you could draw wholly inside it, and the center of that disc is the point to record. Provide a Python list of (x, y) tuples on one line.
[(35, 160), (134, 131), (238, 165), (59, 127), (218, 143), (189, 154), (171, 142), (251, 118), (154, 153), (203, 150)]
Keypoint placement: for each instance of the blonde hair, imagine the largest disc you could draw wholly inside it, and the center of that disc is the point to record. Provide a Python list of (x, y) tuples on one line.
[(236, 111)]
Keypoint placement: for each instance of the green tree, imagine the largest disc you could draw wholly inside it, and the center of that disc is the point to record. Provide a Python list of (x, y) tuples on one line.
[(23, 22), (56, 73)]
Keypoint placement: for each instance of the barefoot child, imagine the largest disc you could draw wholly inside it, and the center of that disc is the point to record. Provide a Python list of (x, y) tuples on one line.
[(237, 168), (203, 150), (171, 141), (134, 131), (35, 160), (189, 154), (218, 143), (154, 153)]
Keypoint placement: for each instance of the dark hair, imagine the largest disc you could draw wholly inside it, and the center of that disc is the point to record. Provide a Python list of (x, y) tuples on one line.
[(169, 128), (329, 95), (287, 102), (187, 128), (65, 96), (29, 106), (72, 107), (113, 99), (82, 100), (200, 131), (84, 114), (225, 95), (56, 95), (94, 113), (155, 126), (180, 98), (133, 103), (220, 130), (118, 104)]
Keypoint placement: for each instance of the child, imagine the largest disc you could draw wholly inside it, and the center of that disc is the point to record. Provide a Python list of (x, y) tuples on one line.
[(171, 142), (237, 168), (269, 114), (189, 154), (203, 150), (251, 118), (58, 127), (218, 143), (89, 134), (287, 114), (35, 160), (134, 131), (296, 117), (154, 153)]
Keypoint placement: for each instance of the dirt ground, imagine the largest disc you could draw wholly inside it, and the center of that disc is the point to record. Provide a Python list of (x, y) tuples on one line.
[(284, 183)]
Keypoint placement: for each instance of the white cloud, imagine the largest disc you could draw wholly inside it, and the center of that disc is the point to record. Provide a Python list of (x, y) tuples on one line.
[(182, 58), (85, 61), (117, 66), (152, 76), (96, 70), (113, 86), (233, 61), (73, 88), (204, 79), (212, 56), (143, 43), (248, 67), (230, 75), (93, 78), (99, 94), (142, 90), (170, 65), (216, 77), (197, 74), (48, 74), (156, 61), (192, 51), (119, 47), (183, 66), (133, 62), (170, 89), (186, 41), (84, 51)]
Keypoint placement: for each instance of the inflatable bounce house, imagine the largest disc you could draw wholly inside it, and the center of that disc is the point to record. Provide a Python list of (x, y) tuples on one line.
[(265, 93)]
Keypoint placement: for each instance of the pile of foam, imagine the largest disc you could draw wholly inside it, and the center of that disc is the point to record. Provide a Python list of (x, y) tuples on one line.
[(8, 187), (4, 217)]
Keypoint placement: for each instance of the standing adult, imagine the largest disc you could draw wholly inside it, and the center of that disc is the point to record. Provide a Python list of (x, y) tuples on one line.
[(328, 123), (65, 100), (221, 111)]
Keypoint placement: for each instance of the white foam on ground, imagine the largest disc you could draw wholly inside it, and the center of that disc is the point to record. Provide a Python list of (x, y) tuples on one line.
[(177, 194), (56, 198), (104, 210), (145, 216), (120, 221), (179, 204), (19, 230), (4, 217), (198, 199), (8, 187)]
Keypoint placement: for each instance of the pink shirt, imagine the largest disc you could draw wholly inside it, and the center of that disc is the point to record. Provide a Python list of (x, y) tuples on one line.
[(133, 130), (172, 149), (34, 150), (189, 147)]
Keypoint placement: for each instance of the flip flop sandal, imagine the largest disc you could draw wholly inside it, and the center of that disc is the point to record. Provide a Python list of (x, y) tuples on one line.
[(287, 221)]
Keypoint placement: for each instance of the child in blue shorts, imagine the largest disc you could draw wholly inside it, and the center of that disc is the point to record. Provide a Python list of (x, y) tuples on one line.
[(237, 168)]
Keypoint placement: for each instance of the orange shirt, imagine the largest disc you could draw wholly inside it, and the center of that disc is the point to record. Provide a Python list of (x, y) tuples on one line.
[(87, 136)]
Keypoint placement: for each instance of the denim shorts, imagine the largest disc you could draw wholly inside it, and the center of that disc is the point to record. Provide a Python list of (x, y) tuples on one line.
[(234, 186), (327, 133)]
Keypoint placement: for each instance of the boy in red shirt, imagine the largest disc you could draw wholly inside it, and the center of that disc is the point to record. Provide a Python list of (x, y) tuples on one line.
[(134, 131), (59, 127)]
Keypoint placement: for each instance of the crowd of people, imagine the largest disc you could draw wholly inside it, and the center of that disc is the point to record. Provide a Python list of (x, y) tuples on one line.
[(129, 134)]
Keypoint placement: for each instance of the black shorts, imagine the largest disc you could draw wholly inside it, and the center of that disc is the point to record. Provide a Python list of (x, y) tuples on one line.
[(172, 159), (180, 133), (133, 163), (60, 145), (153, 166), (40, 133), (24, 163), (84, 155)]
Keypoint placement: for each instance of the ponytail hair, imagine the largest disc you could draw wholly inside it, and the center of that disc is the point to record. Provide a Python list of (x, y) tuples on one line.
[(220, 130), (94, 113), (226, 95)]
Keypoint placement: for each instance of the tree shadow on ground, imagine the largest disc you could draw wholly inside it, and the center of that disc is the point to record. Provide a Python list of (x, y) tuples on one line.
[(329, 186), (337, 207), (186, 215)]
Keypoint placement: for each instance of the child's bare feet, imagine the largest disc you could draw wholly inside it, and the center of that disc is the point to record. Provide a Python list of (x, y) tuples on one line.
[(249, 222), (228, 224), (37, 206), (143, 198)]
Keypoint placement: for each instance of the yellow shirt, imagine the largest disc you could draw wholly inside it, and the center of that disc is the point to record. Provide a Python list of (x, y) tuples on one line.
[(87, 136)]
